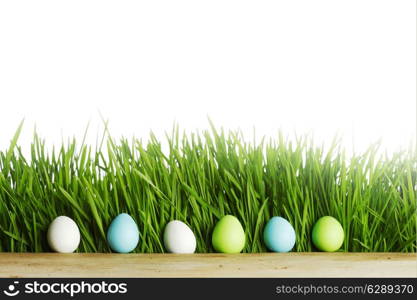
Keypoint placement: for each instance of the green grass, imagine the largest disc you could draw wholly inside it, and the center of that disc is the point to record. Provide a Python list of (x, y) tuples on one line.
[(198, 179)]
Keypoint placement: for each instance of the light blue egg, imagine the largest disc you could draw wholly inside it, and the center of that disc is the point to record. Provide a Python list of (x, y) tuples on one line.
[(279, 235), (123, 234)]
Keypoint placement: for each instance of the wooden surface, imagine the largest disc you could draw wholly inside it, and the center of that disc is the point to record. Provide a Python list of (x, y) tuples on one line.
[(209, 265)]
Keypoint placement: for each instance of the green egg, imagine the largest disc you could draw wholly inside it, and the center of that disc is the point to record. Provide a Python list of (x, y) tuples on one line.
[(328, 234), (228, 235)]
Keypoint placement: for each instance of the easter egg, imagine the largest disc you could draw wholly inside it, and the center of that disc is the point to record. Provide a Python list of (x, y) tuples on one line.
[(63, 235), (123, 234), (328, 234), (228, 235), (179, 238), (279, 235)]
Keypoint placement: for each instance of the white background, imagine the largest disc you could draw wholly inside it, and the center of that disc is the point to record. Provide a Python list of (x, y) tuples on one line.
[(305, 66)]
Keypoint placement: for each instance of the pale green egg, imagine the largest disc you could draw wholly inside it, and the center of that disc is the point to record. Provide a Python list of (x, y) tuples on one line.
[(328, 234), (228, 235)]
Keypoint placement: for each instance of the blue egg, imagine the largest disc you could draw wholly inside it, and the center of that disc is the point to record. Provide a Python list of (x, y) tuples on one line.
[(123, 234), (279, 235)]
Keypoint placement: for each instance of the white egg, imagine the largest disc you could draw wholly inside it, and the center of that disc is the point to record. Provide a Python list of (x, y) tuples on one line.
[(179, 238), (63, 235)]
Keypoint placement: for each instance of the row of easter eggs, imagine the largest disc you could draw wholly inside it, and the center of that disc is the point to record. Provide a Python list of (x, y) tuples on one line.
[(228, 235)]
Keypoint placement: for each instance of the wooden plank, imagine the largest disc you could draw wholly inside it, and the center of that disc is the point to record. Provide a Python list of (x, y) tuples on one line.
[(209, 265)]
